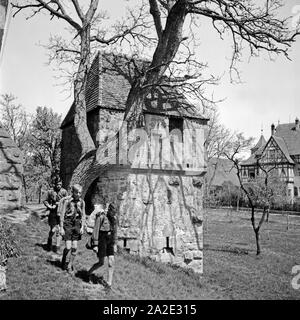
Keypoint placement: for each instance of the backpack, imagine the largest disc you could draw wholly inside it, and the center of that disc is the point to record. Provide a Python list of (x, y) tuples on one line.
[(105, 223), (108, 219)]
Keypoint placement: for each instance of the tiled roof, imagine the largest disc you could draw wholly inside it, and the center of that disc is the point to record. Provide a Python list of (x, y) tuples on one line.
[(108, 89), (256, 152), (282, 145), (287, 138), (261, 142), (252, 160), (225, 172), (290, 136)]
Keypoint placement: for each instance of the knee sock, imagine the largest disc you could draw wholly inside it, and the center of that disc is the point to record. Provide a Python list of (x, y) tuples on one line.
[(58, 241), (65, 258), (49, 242), (72, 258)]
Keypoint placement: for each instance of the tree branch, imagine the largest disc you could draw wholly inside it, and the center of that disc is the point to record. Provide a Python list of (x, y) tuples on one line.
[(78, 10), (58, 12), (155, 12)]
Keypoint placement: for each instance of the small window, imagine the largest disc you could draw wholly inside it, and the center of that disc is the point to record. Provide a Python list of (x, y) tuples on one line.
[(296, 191), (252, 173), (175, 123)]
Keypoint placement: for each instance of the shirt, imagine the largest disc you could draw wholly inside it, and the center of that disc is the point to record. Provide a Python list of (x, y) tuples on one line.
[(53, 197), (73, 210), (102, 223)]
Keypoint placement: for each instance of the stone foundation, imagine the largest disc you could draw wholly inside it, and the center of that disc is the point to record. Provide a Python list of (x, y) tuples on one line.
[(160, 214)]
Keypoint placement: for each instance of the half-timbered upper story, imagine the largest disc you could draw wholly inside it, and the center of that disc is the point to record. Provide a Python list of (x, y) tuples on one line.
[(280, 154)]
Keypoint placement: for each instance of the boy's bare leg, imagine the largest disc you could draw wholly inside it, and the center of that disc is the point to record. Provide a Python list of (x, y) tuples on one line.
[(58, 240), (72, 256), (111, 268), (50, 235)]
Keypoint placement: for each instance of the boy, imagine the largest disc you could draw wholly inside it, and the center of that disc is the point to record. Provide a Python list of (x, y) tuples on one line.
[(105, 241), (72, 223), (52, 200)]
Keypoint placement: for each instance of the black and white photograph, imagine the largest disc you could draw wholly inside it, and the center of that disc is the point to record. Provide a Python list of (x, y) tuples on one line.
[(149, 151)]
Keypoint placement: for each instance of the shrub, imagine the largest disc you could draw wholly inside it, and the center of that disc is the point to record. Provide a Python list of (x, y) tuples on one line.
[(9, 247)]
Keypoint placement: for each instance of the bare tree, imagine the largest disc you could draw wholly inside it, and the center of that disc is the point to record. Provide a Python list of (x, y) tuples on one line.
[(260, 191), (14, 119), (248, 23), (81, 23), (218, 141)]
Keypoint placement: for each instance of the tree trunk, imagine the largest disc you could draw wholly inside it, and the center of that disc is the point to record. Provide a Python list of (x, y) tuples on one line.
[(25, 189), (134, 106), (256, 230), (268, 213), (40, 194), (80, 122), (91, 165)]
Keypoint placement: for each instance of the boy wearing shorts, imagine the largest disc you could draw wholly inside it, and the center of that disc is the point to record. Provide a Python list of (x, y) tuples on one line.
[(51, 203), (105, 241), (72, 223)]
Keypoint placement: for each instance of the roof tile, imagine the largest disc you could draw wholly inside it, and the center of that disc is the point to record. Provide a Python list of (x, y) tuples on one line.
[(110, 90)]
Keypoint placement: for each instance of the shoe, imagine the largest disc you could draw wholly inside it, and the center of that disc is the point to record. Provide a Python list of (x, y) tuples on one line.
[(49, 244), (90, 278), (107, 287), (71, 271)]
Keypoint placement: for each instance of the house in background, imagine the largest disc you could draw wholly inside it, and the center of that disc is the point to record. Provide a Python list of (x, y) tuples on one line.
[(159, 192), (281, 152), (221, 171), (222, 183)]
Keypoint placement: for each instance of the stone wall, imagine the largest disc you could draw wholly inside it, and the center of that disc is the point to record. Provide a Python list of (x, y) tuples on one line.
[(160, 214), (159, 201), (70, 147), (11, 169)]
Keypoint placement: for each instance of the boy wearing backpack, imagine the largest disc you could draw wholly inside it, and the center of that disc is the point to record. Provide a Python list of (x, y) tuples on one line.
[(105, 240)]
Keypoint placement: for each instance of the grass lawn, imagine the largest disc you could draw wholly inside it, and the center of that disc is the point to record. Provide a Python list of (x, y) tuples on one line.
[(231, 268)]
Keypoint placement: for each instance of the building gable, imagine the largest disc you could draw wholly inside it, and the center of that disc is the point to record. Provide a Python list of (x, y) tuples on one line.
[(109, 90), (275, 151)]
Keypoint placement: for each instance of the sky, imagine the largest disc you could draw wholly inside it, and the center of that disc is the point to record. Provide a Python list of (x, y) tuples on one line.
[(269, 92)]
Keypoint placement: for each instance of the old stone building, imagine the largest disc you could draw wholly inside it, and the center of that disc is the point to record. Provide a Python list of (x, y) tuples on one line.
[(281, 153), (11, 169), (157, 181)]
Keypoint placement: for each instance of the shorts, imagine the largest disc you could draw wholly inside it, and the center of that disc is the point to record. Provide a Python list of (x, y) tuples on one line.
[(105, 244), (72, 230), (53, 219)]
